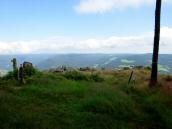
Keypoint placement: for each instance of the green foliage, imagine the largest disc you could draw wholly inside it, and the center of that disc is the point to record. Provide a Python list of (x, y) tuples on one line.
[(96, 78), (148, 68), (126, 68), (12, 75), (79, 76), (30, 71), (75, 100), (168, 78)]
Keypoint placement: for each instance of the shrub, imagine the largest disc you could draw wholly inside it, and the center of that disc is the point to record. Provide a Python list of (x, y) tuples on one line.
[(126, 68), (78, 76), (29, 71), (168, 78), (148, 68), (12, 75), (74, 75), (96, 78)]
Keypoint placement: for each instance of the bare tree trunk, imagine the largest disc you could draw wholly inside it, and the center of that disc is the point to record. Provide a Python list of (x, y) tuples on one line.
[(154, 74)]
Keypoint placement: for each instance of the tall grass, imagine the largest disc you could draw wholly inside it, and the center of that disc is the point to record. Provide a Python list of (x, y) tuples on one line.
[(83, 101)]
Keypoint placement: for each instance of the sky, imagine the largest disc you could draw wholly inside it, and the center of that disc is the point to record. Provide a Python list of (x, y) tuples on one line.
[(82, 26)]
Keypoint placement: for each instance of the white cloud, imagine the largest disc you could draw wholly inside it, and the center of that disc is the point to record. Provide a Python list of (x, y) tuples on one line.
[(114, 44), (101, 6)]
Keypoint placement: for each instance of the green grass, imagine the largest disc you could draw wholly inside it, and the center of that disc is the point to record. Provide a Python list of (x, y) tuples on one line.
[(83, 101)]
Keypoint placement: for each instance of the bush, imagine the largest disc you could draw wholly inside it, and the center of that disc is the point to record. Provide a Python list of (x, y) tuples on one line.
[(77, 76), (96, 78), (12, 75), (29, 71), (148, 68), (168, 78), (126, 68)]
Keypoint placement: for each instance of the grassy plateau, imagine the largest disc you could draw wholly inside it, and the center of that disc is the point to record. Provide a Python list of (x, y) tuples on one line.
[(86, 100)]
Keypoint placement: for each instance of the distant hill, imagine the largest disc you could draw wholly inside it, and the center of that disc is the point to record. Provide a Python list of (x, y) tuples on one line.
[(108, 61), (5, 60)]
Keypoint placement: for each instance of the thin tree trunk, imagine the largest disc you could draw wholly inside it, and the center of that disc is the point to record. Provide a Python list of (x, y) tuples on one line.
[(154, 74)]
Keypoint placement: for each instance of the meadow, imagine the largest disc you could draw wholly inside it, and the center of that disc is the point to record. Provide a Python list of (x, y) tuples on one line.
[(86, 100)]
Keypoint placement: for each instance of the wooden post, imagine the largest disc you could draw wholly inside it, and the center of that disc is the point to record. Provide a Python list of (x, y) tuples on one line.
[(14, 61), (154, 74), (131, 75), (21, 75)]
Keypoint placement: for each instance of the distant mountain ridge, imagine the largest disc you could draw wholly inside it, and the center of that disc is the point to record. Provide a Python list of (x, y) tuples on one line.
[(108, 61)]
